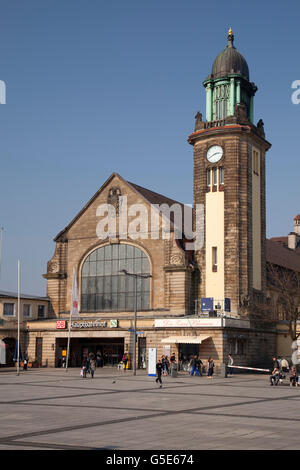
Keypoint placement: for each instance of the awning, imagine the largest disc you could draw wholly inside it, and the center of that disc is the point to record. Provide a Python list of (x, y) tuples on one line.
[(185, 339)]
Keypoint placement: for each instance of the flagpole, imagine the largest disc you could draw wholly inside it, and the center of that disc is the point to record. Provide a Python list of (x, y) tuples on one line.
[(18, 352), (73, 311), (69, 334)]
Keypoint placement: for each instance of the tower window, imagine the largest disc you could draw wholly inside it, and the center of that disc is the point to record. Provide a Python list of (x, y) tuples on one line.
[(221, 175), (215, 176), (208, 177), (255, 162), (214, 259), (221, 99)]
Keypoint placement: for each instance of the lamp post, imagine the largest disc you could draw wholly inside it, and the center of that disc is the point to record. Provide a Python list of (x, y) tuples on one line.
[(136, 276)]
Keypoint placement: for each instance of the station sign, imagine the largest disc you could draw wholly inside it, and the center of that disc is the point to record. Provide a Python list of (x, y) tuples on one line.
[(61, 324)]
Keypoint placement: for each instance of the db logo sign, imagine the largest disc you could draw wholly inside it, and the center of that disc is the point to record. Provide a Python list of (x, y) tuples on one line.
[(60, 324)]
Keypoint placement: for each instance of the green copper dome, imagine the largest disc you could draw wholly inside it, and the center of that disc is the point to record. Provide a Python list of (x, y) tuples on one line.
[(230, 61), (228, 85)]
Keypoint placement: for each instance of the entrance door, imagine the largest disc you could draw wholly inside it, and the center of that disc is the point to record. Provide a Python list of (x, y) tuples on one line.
[(142, 353), (186, 352)]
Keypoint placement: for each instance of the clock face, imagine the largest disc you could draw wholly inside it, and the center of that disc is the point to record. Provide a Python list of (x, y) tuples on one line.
[(214, 154)]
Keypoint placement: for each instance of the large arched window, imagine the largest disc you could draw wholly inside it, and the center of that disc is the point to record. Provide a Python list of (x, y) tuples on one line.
[(104, 287)]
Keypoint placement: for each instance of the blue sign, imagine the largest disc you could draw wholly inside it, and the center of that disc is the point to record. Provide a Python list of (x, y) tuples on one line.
[(227, 305), (207, 304)]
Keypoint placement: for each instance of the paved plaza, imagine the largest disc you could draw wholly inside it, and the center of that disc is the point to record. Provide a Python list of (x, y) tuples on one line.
[(51, 409)]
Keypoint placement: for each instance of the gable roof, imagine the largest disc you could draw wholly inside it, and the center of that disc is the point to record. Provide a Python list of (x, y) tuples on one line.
[(149, 196)]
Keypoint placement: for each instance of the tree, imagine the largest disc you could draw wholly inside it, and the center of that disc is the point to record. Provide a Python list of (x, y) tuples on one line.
[(285, 286)]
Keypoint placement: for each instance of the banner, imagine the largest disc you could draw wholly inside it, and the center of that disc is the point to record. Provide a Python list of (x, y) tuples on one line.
[(74, 303)]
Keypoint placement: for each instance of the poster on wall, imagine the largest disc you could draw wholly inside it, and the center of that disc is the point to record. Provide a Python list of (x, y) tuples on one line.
[(152, 362), (167, 351)]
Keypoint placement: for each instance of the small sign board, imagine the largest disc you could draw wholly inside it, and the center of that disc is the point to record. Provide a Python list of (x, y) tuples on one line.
[(152, 362)]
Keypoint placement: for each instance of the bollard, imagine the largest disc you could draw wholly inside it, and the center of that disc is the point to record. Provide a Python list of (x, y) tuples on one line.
[(223, 370)]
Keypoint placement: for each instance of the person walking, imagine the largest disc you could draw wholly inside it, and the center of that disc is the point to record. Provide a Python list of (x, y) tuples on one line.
[(230, 364), (93, 365), (84, 368), (172, 358), (159, 369), (193, 365), (164, 365), (25, 362), (210, 368), (199, 365), (125, 360)]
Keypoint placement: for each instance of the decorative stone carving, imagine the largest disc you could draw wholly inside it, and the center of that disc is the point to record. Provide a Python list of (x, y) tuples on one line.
[(53, 266), (177, 259), (199, 124), (244, 300), (260, 128), (113, 198)]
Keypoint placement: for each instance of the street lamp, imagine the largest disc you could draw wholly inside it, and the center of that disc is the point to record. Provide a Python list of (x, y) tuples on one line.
[(136, 276)]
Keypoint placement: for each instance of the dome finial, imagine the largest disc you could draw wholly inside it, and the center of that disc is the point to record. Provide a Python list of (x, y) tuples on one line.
[(230, 38)]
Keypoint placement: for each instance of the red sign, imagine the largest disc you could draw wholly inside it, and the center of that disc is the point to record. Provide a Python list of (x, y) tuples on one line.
[(61, 324)]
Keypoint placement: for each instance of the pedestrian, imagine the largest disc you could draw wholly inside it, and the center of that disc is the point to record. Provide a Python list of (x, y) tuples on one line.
[(210, 367), (274, 377), (83, 368), (199, 365), (25, 362), (172, 358), (93, 365), (164, 365), (88, 361), (276, 364), (293, 377), (98, 358), (167, 362), (193, 365), (230, 364), (284, 365), (125, 360), (159, 369)]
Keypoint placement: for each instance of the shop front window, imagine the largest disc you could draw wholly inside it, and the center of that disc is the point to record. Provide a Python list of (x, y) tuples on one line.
[(105, 288)]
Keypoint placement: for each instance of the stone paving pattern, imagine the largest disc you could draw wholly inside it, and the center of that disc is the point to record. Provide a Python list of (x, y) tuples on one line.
[(51, 409)]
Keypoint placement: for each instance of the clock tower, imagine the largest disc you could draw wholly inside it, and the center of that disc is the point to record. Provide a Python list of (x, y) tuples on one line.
[(229, 182)]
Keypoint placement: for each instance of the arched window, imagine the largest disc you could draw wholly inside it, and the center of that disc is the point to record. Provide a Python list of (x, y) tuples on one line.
[(104, 287)]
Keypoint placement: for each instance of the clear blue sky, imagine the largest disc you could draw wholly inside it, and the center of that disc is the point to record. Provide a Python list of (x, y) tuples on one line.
[(100, 86)]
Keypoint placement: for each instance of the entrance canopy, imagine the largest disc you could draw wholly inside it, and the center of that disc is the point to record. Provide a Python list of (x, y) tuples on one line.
[(185, 339)]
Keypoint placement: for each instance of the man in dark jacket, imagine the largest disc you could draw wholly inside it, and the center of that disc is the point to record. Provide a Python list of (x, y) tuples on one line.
[(193, 365), (199, 365), (276, 364), (159, 368)]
